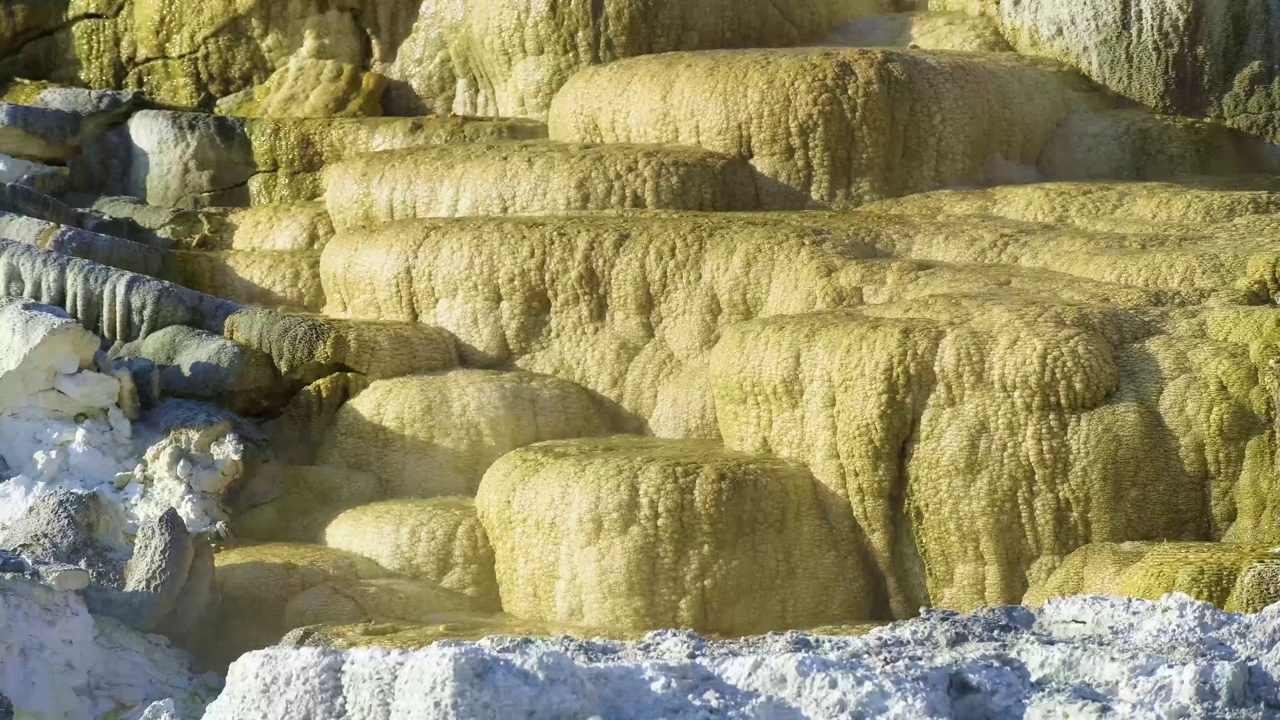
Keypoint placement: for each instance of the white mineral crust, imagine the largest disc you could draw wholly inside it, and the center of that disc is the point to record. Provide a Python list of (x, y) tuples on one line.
[(62, 427), (1081, 657), (59, 662)]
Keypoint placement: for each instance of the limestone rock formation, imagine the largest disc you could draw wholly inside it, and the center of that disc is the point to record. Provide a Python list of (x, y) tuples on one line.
[(318, 321), (433, 435), (1198, 58), (533, 179), (439, 539), (1237, 577), (1091, 656), (639, 533), (831, 128)]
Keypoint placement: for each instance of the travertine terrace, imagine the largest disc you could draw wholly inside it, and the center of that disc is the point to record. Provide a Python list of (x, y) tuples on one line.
[(376, 323)]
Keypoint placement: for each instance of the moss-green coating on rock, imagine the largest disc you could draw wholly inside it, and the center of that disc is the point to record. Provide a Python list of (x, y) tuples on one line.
[(639, 533), (309, 88), (432, 435), (296, 434), (830, 128), (980, 439), (307, 348), (439, 540), (533, 179), (1235, 577)]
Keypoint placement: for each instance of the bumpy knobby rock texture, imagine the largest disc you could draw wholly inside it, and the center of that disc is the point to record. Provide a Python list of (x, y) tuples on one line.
[(194, 160), (439, 539), (1237, 577), (309, 348), (993, 436), (114, 304), (430, 435), (1079, 657), (640, 533), (1199, 58), (475, 57), (827, 127), (311, 88), (533, 179), (627, 307)]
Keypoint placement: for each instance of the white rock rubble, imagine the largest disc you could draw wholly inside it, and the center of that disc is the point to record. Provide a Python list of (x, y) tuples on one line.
[(59, 662), (1079, 657), (62, 427)]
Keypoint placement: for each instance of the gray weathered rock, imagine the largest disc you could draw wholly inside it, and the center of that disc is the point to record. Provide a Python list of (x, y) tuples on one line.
[(189, 159), (105, 249), (13, 563), (114, 304), (1204, 58), (23, 200), (70, 527), (73, 542), (154, 576), (38, 133), (199, 365)]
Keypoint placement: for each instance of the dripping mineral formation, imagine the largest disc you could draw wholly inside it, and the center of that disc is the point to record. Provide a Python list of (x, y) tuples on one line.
[(639, 359)]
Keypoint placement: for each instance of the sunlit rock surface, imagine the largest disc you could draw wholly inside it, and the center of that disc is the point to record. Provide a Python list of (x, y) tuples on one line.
[(375, 323), (1079, 657)]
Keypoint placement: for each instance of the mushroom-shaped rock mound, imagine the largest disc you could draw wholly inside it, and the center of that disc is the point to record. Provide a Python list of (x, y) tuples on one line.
[(634, 533), (438, 539), (431, 435), (533, 179), (980, 439), (1234, 576), (256, 583), (831, 127), (295, 503)]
